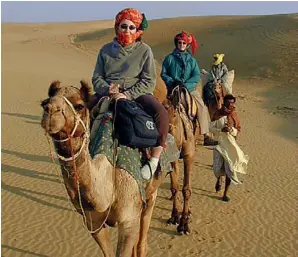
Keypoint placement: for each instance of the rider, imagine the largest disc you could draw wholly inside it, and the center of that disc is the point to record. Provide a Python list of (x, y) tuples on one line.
[(128, 62), (217, 75), (181, 68)]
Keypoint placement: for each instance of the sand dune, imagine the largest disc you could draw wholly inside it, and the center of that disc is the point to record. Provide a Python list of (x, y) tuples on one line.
[(260, 220)]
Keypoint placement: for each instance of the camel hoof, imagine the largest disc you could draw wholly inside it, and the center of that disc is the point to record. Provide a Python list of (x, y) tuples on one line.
[(173, 221), (183, 227), (180, 229), (225, 198), (186, 229)]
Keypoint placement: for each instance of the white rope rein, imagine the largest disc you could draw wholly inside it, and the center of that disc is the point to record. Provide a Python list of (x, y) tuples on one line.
[(78, 121)]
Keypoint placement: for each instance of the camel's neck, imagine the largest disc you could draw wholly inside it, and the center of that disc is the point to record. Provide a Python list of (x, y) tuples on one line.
[(94, 175)]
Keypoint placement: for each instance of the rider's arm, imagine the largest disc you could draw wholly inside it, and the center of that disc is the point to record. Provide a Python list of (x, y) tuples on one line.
[(100, 85), (224, 76), (169, 81), (233, 131), (194, 79), (147, 78)]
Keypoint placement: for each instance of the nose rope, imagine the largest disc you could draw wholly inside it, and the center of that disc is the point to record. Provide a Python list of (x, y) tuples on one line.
[(78, 120)]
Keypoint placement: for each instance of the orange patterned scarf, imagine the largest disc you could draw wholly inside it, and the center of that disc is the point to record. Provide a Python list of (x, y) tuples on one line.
[(136, 17)]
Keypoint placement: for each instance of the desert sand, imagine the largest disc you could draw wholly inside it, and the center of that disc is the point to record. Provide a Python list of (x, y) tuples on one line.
[(261, 218)]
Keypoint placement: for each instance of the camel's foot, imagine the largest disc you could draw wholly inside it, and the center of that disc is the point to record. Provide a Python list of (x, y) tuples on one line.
[(174, 220), (183, 227), (218, 186), (225, 198)]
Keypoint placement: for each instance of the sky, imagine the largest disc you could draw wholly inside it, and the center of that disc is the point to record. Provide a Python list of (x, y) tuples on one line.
[(65, 11)]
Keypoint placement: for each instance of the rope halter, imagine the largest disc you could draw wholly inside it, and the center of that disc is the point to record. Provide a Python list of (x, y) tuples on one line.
[(78, 121)]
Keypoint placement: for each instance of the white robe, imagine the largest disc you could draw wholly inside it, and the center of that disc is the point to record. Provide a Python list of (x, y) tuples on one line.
[(227, 153)]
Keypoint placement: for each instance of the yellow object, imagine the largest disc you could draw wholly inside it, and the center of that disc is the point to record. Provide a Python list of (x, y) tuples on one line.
[(218, 58)]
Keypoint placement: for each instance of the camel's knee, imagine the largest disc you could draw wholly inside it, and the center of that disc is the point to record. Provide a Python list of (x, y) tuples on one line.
[(186, 193), (173, 191)]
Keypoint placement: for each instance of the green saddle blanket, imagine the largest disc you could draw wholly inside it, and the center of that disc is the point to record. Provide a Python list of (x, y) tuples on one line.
[(125, 157)]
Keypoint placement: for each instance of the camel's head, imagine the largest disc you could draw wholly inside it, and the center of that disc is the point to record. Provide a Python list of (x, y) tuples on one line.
[(64, 107), (171, 104), (218, 91)]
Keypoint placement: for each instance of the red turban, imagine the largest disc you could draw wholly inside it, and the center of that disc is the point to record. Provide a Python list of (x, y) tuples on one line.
[(189, 39), (129, 14)]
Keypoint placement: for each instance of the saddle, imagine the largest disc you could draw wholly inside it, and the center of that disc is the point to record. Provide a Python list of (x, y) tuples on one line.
[(100, 112), (182, 95)]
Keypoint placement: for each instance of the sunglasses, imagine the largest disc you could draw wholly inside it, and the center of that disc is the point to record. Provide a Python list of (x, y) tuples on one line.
[(181, 43), (125, 26)]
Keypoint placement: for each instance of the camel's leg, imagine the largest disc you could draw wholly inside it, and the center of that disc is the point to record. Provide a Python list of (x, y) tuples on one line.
[(174, 190), (227, 186), (103, 239), (127, 235), (183, 226), (135, 247), (145, 224)]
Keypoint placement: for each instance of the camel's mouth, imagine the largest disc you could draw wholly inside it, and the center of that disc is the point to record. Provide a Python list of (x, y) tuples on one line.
[(52, 124)]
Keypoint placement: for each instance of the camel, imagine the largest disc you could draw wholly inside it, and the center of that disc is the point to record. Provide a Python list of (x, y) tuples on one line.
[(183, 130), (216, 102), (105, 195)]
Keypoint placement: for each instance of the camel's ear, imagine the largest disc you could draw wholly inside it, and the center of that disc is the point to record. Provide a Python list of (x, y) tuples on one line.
[(54, 87), (86, 91)]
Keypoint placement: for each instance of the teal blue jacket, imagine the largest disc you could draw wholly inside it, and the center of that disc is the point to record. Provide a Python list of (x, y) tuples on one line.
[(180, 67)]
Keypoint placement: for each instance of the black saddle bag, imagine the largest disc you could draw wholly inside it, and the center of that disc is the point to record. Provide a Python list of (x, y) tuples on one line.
[(133, 126)]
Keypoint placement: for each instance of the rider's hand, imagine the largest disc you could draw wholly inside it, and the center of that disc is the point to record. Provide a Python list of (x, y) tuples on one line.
[(119, 96), (225, 129), (113, 89), (178, 83)]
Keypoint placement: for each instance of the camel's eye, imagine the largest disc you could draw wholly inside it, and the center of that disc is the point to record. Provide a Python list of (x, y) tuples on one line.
[(79, 107)]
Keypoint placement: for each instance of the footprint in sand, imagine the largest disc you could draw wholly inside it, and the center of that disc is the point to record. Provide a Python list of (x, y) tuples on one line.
[(215, 240)]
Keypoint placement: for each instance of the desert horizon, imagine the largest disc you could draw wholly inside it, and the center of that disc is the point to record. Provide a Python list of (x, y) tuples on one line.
[(260, 219)]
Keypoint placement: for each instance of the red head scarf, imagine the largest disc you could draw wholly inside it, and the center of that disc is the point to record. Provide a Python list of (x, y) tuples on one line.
[(189, 39), (136, 17)]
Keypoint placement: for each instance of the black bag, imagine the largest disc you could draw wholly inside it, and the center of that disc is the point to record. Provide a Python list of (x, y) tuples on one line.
[(133, 126)]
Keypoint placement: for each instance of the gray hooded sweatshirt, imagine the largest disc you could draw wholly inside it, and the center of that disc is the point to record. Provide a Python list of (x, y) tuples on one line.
[(132, 67)]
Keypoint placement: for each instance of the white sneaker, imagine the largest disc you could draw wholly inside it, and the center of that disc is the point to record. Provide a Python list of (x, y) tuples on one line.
[(148, 170)]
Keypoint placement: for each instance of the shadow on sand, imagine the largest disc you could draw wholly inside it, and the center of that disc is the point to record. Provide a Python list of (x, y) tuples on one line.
[(20, 251), (30, 173), (26, 156), (26, 193), (22, 115)]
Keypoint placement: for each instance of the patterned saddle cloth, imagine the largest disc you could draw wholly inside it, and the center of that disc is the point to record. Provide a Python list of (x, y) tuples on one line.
[(182, 96), (131, 160)]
